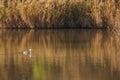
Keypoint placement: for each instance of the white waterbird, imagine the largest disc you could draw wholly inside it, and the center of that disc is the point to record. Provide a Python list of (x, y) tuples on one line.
[(29, 52)]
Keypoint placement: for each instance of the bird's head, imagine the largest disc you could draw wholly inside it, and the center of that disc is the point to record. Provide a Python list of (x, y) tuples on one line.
[(30, 49)]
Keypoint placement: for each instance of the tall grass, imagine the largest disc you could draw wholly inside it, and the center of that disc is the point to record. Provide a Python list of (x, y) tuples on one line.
[(59, 13)]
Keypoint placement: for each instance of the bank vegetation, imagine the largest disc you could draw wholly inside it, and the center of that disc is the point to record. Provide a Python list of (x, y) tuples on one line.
[(60, 14)]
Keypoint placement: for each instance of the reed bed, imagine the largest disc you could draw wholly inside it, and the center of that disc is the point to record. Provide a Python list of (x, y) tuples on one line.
[(60, 14)]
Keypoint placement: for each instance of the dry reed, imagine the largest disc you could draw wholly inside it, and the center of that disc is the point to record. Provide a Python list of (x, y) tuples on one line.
[(60, 14)]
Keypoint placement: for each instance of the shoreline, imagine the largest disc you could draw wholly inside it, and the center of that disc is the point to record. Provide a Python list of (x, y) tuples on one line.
[(45, 28)]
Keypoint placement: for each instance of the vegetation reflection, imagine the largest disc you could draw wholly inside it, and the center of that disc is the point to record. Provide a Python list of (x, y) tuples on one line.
[(59, 54)]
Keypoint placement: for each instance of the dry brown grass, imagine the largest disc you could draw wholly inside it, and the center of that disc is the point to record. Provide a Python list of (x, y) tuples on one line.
[(67, 13)]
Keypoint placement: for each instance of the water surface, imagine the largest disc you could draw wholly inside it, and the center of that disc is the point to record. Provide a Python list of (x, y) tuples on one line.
[(59, 55)]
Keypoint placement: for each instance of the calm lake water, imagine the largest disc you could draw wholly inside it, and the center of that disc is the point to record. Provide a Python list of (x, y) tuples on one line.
[(59, 55)]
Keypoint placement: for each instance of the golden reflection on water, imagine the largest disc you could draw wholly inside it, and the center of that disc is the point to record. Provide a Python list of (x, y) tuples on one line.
[(59, 55)]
